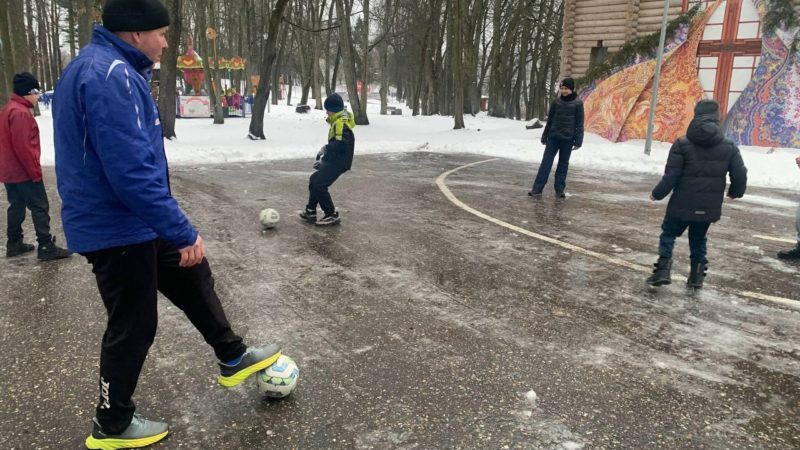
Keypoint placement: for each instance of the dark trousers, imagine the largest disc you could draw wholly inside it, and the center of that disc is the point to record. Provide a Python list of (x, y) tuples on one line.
[(673, 228), (562, 148), (129, 279), (318, 186), (30, 195)]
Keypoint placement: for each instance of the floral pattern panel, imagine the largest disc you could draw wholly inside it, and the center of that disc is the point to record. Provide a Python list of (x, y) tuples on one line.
[(768, 111)]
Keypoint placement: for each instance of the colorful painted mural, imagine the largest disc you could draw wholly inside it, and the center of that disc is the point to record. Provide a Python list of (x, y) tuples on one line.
[(678, 91), (767, 113), (618, 107)]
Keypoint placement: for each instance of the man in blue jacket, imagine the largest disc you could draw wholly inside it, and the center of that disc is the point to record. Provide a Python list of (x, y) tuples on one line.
[(118, 212)]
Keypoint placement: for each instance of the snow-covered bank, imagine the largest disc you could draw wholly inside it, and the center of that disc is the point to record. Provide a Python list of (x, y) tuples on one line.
[(291, 135)]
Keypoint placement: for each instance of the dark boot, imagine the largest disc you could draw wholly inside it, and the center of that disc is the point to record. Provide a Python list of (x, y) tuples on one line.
[(50, 251), (18, 248), (697, 275), (793, 254), (561, 194), (661, 273)]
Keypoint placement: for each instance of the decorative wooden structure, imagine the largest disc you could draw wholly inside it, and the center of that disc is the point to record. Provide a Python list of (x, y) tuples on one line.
[(727, 57), (723, 53), (597, 27)]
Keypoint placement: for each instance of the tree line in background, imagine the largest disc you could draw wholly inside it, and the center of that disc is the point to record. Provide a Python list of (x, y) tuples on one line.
[(435, 56)]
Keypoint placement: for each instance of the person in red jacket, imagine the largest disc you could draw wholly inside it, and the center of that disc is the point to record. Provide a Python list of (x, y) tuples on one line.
[(21, 172)]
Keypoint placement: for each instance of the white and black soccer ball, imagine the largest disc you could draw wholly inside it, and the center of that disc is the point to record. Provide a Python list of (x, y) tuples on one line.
[(269, 218), (279, 379)]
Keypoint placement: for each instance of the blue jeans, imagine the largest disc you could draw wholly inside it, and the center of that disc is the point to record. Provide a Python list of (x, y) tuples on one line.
[(673, 228), (562, 147)]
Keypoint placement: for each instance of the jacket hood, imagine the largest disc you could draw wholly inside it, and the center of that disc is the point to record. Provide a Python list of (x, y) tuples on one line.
[(705, 131)]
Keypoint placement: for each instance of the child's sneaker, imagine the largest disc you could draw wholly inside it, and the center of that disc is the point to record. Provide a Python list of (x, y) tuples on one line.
[(140, 433), (309, 215), (329, 219), (253, 360)]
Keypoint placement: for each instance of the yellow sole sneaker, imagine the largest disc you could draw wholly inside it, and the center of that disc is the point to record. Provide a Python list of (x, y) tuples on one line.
[(112, 444), (238, 377)]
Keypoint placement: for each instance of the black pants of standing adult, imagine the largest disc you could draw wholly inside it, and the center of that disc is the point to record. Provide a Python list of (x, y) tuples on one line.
[(318, 186), (562, 148), (129, 279), (30, 195)]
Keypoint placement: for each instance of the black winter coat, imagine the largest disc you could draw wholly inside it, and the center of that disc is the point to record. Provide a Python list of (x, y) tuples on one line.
[(565, 120), (340, 153), (696, 170)]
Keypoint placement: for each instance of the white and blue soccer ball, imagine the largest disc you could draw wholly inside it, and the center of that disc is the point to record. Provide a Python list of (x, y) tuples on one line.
[(279, 379), (269, 218)]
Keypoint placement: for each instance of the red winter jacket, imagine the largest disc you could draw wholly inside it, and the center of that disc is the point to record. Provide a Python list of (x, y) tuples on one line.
[(19, 143)]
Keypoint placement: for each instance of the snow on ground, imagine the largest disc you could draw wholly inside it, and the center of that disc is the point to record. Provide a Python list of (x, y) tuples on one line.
[(292, 135)]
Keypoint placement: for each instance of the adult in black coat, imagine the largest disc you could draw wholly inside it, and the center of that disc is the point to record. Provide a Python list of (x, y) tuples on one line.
[(562, 134), (695, 174)]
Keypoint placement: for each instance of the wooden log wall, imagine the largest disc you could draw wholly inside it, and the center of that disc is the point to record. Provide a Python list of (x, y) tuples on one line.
[(613, 21)]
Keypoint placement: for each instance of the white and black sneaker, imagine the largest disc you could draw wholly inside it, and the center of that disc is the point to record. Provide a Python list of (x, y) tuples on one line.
[(309, 215), (328, 220)]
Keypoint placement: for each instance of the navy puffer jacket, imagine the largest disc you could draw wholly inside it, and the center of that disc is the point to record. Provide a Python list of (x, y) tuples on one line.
[(565, 120), (696, 169)]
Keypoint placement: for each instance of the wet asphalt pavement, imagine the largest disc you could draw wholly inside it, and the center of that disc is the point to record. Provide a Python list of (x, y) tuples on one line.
[(417, 325)]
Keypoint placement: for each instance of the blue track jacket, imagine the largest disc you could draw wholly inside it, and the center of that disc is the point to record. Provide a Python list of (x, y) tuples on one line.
[(110, 162)]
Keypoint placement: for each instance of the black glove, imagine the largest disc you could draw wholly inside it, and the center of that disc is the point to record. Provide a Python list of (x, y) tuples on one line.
[(321, 152), (317, 165), (544, 141)]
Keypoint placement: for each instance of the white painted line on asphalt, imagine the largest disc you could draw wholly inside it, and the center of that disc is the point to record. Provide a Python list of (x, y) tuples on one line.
[(443, 187), (440, 182), (770, 238)]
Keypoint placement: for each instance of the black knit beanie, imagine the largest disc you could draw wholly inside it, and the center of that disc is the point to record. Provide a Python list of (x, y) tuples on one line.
[(707, 108), (135, 15), (24, 83), (568, 83), (334, 103)]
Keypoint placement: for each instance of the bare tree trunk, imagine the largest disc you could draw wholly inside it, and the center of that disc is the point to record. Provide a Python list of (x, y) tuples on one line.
[(260, 104), (33, 51), (348, 53), (457, 69), (330, 86), (335, 75), (72, 23), (85, 12), (384, 49), (8, 54), (278, 72), (316, 79), (43, 50), (219, 117), (361, 118), (169, 72), (19, 42)]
